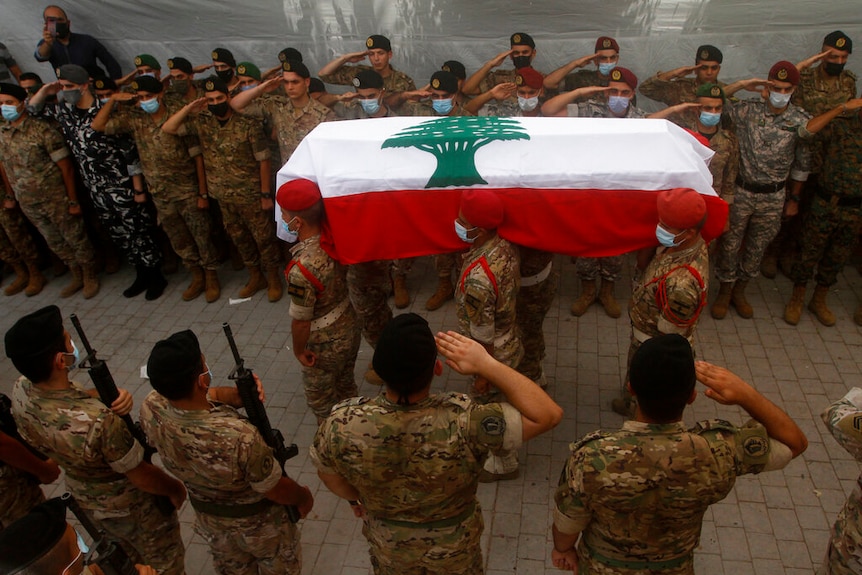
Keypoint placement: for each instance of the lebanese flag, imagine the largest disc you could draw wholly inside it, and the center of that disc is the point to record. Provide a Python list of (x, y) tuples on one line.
[(577, 186)]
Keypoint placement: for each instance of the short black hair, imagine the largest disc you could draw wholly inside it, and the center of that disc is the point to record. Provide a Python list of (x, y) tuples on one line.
[(662, 377)]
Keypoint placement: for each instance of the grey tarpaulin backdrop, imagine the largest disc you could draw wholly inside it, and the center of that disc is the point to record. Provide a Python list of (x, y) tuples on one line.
[(653, 34)]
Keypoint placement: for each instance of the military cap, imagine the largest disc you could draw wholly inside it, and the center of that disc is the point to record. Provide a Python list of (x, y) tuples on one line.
[(105, 83), (708, 53), (365, 79), (709, 90), (620, 74), (378, 42), (455, 67), (35, 333), (445, 81), (73, 73), (529, 76), (316, 85), (297, 195), (296, 68), (224, 55), (663, 366), (607, 43), (521, 39), (13, 90), (681, 208), (31, 537), (147, 84), (482, 208), (839, 40), (147, 60), (784, 71), (290, 54), (406, 352), (248, 69), (177, 356), (215, 84), (181, 64)]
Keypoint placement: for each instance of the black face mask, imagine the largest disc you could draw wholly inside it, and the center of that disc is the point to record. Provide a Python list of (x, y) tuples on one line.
[(225, 75), (179, 86), (219, 110), (521, 61), (62, 30), (833, 69)]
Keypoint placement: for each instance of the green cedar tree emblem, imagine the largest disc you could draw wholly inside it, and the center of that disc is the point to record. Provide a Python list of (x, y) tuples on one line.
[(454, 140)]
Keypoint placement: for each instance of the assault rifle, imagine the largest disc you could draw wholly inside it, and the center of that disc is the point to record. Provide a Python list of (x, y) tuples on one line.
[(108, 393), (256, 412), (105, 552)]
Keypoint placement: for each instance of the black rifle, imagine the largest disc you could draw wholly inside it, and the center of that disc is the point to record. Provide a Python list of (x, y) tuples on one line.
[(256, 412), (108, 393), (8, 426), (105, 552)]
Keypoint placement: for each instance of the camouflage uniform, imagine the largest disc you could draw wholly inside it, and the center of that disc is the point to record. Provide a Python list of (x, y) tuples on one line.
[(502, 108), (415, 525), (16, 243), (671, 92), (317, 286), (844, 554), (28, 152), (539, 281), (353, 111), (290, 124), (226, 465), (95, 449), (19, 493), (584, 79), (395, 82), (169, 167), (425, 109), (369, 284), (639, 494)]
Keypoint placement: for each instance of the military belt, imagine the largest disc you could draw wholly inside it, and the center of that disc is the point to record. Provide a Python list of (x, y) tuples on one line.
[(529, 281), (837, 200), (330, 318), (770, 188), (235, 511), (639, 565), (440, 524), (106, 479)]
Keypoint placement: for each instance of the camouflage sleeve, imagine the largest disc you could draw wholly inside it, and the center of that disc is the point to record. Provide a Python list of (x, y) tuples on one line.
[(54, 144), (684, 302), (118, 124), (255, 457), (320, 453), (343, 76), (731, 170), (302, 295), (258, 140), (753, 449), (802, 161), (193, 145), (115, 443), (658, 90), (496, 426), (843, 419), (571, 515), (480, 305)]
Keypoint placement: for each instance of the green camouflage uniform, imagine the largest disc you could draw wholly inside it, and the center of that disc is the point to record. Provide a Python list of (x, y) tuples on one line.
[(232, 155), (503, 108), (584, 79), (317, 286), (223, 461), (353, 111), (16, 243), (671, 92), (533, 303), (290, 124), (638, 495), (815, 96), (844, 554), (419, 491), (395, 82), (425, 109), (95, 449), (28, 152)]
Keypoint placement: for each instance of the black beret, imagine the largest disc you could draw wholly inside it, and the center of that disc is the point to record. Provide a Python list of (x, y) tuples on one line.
[(177, 356), (215, 84), (522, 39), (663, 366), (31, 537), (13, 90), (445, 81), (224, 55), (296, 68), (73, 73), (405, 352), (104, 83), (147, 84), (290, 54), (368, 79), (377, 41), (839, 40), (35, 333), (181, 64), (708, 53), (316, 85), (455, 67)]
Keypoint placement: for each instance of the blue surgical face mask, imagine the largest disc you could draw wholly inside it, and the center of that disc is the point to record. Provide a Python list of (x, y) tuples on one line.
[(605, 68), (10, 113), (370, 107), (779, 100), (75, 354), (442, 107), (462, 233), (665, 238), (292, 235), (150, 106), (247, 87), (618, 104), (104, 101), (709, 119), (528, 104)]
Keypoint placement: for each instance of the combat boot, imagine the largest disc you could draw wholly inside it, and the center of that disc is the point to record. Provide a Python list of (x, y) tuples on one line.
[(769, 265), (588, 296), (213, 288), (76, 282), (737, 298), (719, 307), (156, 283), (138, 286), (22, 278), (91, 281), (195, 288), (793, 309), (402, 297), (817, 305), (256, 282), (445, 292), (274, 289), (606, 298), (36, 282)]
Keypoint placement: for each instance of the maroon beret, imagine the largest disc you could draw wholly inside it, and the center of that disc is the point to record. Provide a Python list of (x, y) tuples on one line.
[(297, 195), (681, 208), (784, 71), (482, 208)]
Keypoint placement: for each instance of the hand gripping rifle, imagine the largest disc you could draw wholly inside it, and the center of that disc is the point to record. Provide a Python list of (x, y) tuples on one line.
[(105, 552), (256, 412), (108, 393)]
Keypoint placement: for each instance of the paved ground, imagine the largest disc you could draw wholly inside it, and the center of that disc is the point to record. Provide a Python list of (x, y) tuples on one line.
[(772, 524)]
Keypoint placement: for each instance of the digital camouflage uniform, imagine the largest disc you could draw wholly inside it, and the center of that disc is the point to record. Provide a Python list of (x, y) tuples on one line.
[(290, 124), (395, 82), (844, 554), (169, 168), (502, 108), (672, 92), (539, 281), (639, 494), (16, 243), (95, 449), (28, 152), (584, 79), (417, 525), (225, 464), (317, 286)]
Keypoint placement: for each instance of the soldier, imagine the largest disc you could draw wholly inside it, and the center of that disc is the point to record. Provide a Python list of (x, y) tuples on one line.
[(284, 55), (237, 161), (18, 248), (606, 58), (145, 65), (368, 100), (522, 52), (41, 175), (175, 176), (104, 465), (379, 453), (528, 87), (674, 87), (234, 482), (323, 323), (224, 66), (181, 84), (59, 45), (248, 74), (632, 501), (444, 95), (31, 82)]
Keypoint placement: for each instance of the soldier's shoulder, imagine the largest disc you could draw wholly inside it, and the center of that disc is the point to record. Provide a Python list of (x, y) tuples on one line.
[(591, 440), (346, 405)]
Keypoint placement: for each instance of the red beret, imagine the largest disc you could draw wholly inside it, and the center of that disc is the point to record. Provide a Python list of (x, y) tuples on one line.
[(607, 43), (297, 195), (620, 74), (530, 77), (681, 208), (482, 208), (784, 71)]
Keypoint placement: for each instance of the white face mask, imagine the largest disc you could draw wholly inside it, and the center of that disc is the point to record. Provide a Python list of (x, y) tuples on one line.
[(528, 104), (779, 100)]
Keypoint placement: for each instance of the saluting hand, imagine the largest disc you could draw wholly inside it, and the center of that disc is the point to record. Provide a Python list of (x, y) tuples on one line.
[(808, 62), (723, 385), (500, 58), (464, 355)]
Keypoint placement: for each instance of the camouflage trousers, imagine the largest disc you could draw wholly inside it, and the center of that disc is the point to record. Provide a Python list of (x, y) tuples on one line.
[(397, 549), (369, 285), (19, 493), (16, 243), (331, 378), (264, 544), (402, 267), (844, 553), (253, 232), (829, 235), (610, 268), (445, 264), (754, 221), (128, 223), (188, 229), (589, 565), (64, 233), (532, 305)]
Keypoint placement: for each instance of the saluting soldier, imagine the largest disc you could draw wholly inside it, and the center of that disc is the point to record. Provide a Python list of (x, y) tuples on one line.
[(606, 58), (522, 51), (675, 87)]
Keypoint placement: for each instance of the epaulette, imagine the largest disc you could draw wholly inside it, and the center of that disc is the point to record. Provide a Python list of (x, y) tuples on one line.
[(592, 436), (708, 424), (351, 402), (461, 400)]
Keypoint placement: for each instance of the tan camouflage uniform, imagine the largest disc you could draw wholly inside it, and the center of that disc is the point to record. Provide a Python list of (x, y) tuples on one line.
[(583, 79), (95, 449), (223, 461), (395, 82), (16, 243), (19, 493), (369, 285), (538, 287), (415, 525), (503, 108), (290, 124), (317, 286), (671, 92)]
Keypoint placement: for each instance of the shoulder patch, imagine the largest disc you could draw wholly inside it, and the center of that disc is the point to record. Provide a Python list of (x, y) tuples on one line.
[(266, 466), (755, 446), (295, 290), (493, 425), (720, 424), (857, 422)]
